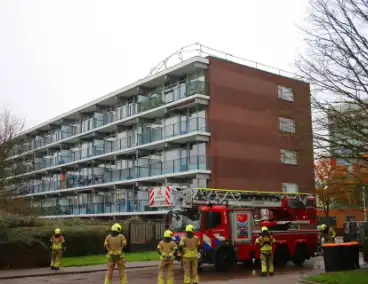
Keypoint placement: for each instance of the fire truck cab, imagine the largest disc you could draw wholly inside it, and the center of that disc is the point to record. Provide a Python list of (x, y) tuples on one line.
[(228, 223)]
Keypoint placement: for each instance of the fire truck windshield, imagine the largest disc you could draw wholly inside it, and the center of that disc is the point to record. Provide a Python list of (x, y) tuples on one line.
[(178, 219)]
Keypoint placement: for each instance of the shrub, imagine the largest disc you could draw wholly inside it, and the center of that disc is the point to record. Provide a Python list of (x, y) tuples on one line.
[(81, 240), (24, 240)]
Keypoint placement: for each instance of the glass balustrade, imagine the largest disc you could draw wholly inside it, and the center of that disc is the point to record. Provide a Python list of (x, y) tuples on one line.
[(83, 180), (150, 134), (191, 163), (154, 100), (43, 186), (99, 208)]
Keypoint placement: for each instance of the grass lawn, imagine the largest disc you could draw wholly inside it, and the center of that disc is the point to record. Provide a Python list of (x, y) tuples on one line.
[(101, 259), (359, 276)]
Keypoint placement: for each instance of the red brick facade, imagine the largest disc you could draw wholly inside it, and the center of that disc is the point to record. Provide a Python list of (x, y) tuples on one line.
[(243, 118)]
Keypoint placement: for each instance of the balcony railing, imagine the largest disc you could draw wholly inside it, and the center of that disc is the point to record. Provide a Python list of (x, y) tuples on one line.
[(191, 163), (149, 135), (99, 208), (157, 99)]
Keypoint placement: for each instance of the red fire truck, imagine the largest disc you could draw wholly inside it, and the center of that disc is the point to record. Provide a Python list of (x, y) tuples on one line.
[(229, 221)]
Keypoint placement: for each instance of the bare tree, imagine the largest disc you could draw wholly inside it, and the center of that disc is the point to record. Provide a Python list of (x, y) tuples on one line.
[(15, 213), (10, 127), (336, 64)]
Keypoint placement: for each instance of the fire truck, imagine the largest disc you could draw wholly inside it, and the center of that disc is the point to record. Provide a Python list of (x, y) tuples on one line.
[(229, 221)]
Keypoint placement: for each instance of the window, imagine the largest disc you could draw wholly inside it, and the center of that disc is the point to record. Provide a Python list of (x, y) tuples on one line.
[(351, 218), (213, 219), (329, 221), (288, 157), (289, 187), (287, 125), (179, 219), (286, 94)]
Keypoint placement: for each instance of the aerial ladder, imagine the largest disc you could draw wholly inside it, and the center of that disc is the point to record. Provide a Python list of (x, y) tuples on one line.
[(279, 207)]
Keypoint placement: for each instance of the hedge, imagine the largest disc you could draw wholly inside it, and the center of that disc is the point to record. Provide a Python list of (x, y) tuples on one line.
[(83, 240), (27, 245)]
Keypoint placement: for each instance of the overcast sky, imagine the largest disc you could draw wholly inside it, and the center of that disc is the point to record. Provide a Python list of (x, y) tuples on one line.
[(57, 55)]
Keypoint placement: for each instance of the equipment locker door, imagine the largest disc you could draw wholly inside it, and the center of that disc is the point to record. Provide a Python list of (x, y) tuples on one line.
[(242, 226)]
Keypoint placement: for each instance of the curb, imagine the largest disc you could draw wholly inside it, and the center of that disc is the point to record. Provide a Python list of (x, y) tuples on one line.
[(69, 272), (302, 280)]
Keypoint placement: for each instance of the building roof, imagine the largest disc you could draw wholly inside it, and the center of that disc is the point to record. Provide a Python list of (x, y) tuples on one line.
[(110, 99), (158, 75)]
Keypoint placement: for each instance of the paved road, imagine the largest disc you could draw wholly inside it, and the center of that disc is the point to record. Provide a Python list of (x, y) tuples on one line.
[(19, 273), (287, 275)]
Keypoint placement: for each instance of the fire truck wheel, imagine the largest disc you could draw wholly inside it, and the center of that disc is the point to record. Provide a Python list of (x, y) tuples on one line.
[(299, 254), (280, 261), (281, 256), (225, 260)]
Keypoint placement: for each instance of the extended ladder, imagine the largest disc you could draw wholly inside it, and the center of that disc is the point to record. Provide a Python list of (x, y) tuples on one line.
[(186, 197)]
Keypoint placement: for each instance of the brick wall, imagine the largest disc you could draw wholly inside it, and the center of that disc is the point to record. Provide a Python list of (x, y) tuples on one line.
[(342, 214)]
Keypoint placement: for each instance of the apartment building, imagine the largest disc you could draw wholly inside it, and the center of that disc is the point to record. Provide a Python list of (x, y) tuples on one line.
[(205, 122), (346, 126)]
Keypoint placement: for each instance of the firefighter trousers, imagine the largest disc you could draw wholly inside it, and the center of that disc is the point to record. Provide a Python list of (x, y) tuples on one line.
[(267, 262), (166, 267), (55, 257), (190, 270), (110, 270)]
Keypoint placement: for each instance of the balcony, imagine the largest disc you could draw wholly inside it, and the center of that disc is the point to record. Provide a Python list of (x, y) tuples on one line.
[(191, 163), (153, 170), (149, 135), (122, 206), (155, 100), (44, 186)]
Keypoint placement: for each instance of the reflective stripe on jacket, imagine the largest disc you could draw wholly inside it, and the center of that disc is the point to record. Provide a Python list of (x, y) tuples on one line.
[(265, 242), (57, 243), (115, 244), (190, 246), (166, 249), (329, 236)]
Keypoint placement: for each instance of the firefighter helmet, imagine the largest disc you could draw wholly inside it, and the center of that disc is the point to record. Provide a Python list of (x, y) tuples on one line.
[(264, 229), (189, 228), (168, 234), (116, 228), (120, 228), (57, 231)]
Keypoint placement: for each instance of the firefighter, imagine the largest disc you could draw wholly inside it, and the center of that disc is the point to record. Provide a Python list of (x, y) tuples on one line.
[(114, 244), (57, 246), (328, 234), (190, 245), (265, 241), (166, 249)]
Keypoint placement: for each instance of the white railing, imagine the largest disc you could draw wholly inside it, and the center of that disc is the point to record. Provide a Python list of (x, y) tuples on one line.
[(197, 49)]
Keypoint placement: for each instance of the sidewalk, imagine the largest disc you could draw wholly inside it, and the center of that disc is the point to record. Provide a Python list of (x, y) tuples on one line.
[(37, 272)]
